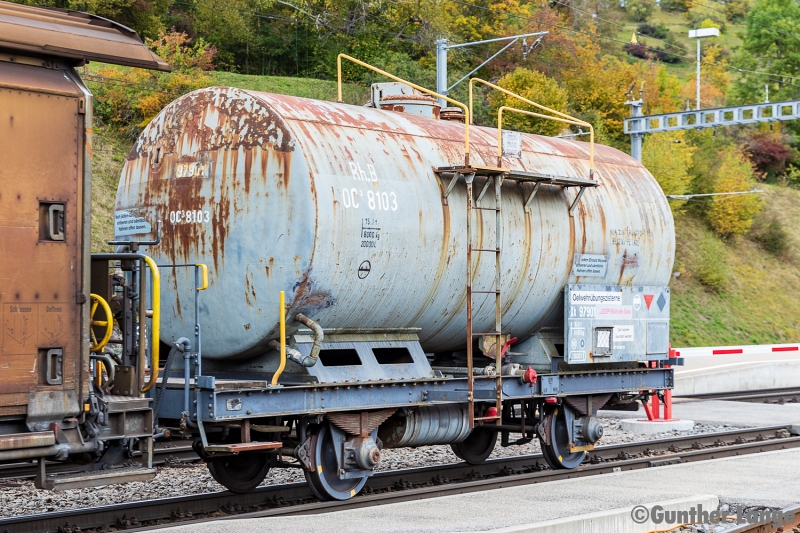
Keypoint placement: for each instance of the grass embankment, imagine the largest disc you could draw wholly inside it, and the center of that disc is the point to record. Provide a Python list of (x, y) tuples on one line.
[(759, 302), (678, 25), (302, 87), (109, 153)]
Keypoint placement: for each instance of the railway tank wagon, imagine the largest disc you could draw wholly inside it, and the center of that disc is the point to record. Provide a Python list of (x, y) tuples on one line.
[(358, 217), (340, 207)]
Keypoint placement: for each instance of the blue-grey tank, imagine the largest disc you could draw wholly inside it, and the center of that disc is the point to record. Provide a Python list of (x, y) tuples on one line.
[(339, 206)]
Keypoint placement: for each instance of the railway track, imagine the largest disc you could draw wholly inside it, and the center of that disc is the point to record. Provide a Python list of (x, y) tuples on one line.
[(775, 396), (404, 485), (769, 527), (172, 453)]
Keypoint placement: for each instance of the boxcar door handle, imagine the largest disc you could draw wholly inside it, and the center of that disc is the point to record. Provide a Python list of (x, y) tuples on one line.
[(56, 222), (54, 368)]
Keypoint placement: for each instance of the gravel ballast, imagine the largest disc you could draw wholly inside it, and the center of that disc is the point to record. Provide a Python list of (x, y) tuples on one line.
[(20, 497)]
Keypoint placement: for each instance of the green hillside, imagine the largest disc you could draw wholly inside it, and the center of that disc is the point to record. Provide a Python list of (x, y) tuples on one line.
[(760, 301), (303, 87), (679, 27)]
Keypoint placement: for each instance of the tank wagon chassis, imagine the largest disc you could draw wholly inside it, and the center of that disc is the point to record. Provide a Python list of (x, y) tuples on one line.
[(334, 429), (340, 394)]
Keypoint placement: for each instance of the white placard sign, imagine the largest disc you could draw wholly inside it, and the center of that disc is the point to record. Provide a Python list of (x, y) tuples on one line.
[(512, 144), (595, 297), (126, 223), (590, 265), (623, 333)]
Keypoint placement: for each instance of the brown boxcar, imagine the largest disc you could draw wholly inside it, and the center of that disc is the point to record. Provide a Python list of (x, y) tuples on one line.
[(48, 405)]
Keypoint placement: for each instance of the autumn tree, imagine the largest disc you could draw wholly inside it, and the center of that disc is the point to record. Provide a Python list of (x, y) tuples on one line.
[(146, 18), (669, 157), (769, 151), (536, 87), (736, 10), (715, 79), (675, 5), (227, 24), (733, 215), (130, 97), (701, 11), (640, 10), (771, 44), (499, 17), (603, 91)]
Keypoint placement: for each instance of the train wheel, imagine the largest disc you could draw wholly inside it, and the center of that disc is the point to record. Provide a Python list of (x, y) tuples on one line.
[(476, 448), (557, 453), (239, 473), (324, 479), (548, 457)]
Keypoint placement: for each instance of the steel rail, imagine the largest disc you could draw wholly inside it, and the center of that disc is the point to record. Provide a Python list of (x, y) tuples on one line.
[(769, 527), (754, 395), (410, 484), (179, 452)]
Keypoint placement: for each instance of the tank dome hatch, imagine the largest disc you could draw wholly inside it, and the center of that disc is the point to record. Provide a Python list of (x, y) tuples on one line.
[(395, 96)]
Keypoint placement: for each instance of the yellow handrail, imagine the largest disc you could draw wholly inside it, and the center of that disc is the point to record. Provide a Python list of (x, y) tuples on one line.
[(156, 321), (283, 341), (575, 121), (538, 115), (204, 272), (467, 114)]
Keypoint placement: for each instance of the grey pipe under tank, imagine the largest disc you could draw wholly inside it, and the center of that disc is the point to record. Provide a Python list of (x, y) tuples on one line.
[(425, 426)]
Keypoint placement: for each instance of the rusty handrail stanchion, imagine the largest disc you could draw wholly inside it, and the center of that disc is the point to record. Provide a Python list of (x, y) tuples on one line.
[(546, 117), (155, 322)]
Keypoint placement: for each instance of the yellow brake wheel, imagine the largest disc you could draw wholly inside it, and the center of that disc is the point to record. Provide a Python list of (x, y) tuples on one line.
[(108, 323)]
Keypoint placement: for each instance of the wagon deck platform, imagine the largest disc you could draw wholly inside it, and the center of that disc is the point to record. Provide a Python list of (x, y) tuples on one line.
[(229, 398)]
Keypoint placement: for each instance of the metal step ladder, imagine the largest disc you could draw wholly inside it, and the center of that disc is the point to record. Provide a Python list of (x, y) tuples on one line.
[(495, 176), (492, 177)]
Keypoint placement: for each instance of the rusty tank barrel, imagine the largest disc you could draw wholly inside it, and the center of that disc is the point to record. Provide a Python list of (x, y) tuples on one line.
[(339, 206)]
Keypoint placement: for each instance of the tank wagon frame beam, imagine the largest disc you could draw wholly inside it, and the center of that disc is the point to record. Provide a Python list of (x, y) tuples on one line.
[(236, 400)]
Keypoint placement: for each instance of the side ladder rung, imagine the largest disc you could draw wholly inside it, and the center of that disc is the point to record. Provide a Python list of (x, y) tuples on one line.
[(484, 418), (485, 292), (495, 250), (493, 334), (486, 208)]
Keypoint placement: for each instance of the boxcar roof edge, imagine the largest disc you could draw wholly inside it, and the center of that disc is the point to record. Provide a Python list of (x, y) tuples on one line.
[(64, 33)]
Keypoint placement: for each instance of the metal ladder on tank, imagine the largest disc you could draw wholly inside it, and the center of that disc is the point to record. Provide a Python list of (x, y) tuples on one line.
[(493, 176), (497, 180), (497, 175)]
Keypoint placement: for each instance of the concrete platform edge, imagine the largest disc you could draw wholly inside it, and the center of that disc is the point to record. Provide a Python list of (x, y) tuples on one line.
[(614, 520)]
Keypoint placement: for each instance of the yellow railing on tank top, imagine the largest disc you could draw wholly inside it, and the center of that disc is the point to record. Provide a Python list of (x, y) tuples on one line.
[(563, 118), (467, 119)]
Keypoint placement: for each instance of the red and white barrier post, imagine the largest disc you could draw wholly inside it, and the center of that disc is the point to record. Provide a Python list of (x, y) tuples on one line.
[(755, 349), (653, 410)]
